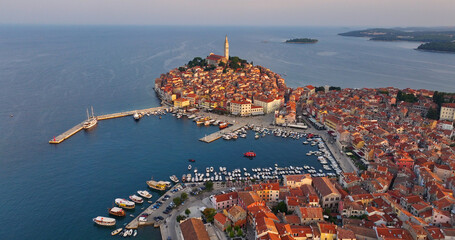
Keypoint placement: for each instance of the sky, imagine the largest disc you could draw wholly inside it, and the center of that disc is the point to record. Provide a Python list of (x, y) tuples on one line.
[(385, 13)]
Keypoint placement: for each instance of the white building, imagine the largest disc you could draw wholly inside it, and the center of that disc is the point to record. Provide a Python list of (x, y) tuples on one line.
[(447, 112), (268, 105), (241, 108)]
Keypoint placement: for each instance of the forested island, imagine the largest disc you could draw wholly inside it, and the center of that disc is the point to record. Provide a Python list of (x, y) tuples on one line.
[(438, 46), (438, 39), (302, 40)]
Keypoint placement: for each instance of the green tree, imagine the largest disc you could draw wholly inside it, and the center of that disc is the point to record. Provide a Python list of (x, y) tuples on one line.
[(320, 89), (229, 228), (182, 69), (433, 114), (187, 212), (177, 201), (209, 213), (280, 207), (410, 98), (184, 196), (231, 234), (334, 88), (209, 186), (236, 228), (239, 233), (180, 218)]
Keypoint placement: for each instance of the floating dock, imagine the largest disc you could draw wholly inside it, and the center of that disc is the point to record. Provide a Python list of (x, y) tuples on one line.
[(62, 137), (217, 135)]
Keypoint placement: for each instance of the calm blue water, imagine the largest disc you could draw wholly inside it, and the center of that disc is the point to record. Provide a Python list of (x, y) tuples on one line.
[(49, 75)]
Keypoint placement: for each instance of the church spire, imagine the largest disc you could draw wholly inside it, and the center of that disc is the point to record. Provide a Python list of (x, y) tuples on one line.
[(226, 48)]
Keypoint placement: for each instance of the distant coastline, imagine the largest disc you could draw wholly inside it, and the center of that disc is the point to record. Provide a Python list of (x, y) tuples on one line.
[(302, 40), (434, 40)]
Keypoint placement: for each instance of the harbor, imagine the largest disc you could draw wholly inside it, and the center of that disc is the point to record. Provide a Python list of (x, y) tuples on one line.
[(67, 134)]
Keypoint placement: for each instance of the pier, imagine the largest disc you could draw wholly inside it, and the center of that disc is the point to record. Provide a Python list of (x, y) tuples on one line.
[(62, 137), (217, 135)]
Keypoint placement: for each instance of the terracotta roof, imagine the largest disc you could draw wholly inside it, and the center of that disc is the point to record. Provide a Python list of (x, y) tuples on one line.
[(221, 218), (226, 197), (249, 197), (311, 212), (194, 229), (292, 219), (215, 57), (324, 186), (343, 233)]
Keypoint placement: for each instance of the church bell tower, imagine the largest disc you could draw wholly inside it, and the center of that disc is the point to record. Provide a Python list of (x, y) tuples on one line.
[(226, 49)]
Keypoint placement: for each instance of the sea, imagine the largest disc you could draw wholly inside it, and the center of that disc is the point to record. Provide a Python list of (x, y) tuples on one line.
[(50, 75)]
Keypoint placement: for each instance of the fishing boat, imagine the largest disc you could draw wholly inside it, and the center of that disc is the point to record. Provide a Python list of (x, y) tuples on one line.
[(144, 193), (191, 160), (104, 221), (174, 178), (250, 154), (135, 233), (124, 203), (136, 199), (116, 231), (207, 123), (116, 211), (158, 185), (211, 169), (223, 125), (189, 167), (91, 121)]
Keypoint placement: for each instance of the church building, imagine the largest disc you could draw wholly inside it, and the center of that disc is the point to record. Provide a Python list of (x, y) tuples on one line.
[(214, 59)]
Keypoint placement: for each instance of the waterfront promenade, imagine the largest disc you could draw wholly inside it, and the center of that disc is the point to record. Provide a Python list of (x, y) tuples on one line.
[(67, 134)]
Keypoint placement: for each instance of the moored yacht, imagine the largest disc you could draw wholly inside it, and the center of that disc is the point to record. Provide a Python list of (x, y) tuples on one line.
[(91, 121), (124, 203), (144, 193), (104, 221), (174, 179), (136, 199)]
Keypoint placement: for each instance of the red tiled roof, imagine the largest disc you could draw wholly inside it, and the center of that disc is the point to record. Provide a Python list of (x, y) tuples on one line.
[(194, 229)]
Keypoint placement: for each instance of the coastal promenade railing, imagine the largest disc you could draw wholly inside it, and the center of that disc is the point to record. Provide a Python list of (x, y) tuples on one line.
[(62, 137)]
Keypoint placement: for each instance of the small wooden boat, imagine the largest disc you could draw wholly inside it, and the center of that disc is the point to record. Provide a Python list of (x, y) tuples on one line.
[(116, 211), (116, 231)]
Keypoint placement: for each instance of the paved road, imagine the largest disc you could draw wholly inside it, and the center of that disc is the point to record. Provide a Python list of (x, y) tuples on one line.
[(172, 227)]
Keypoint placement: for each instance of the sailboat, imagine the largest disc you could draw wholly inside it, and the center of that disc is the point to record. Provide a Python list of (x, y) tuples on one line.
[(91, 120)]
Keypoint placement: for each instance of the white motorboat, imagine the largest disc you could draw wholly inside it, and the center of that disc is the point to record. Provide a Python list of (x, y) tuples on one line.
[(144, 193), (174, 179), (136, 199), (104, 221)]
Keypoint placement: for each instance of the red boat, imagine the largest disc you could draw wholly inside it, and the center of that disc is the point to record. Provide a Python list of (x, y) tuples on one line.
[(310, 135), (249, 154), (191, 160), (116, 211), (223, 125)]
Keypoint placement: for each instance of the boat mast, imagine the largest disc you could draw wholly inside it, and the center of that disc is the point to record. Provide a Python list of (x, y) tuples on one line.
[(88, 116), (93, 114)]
